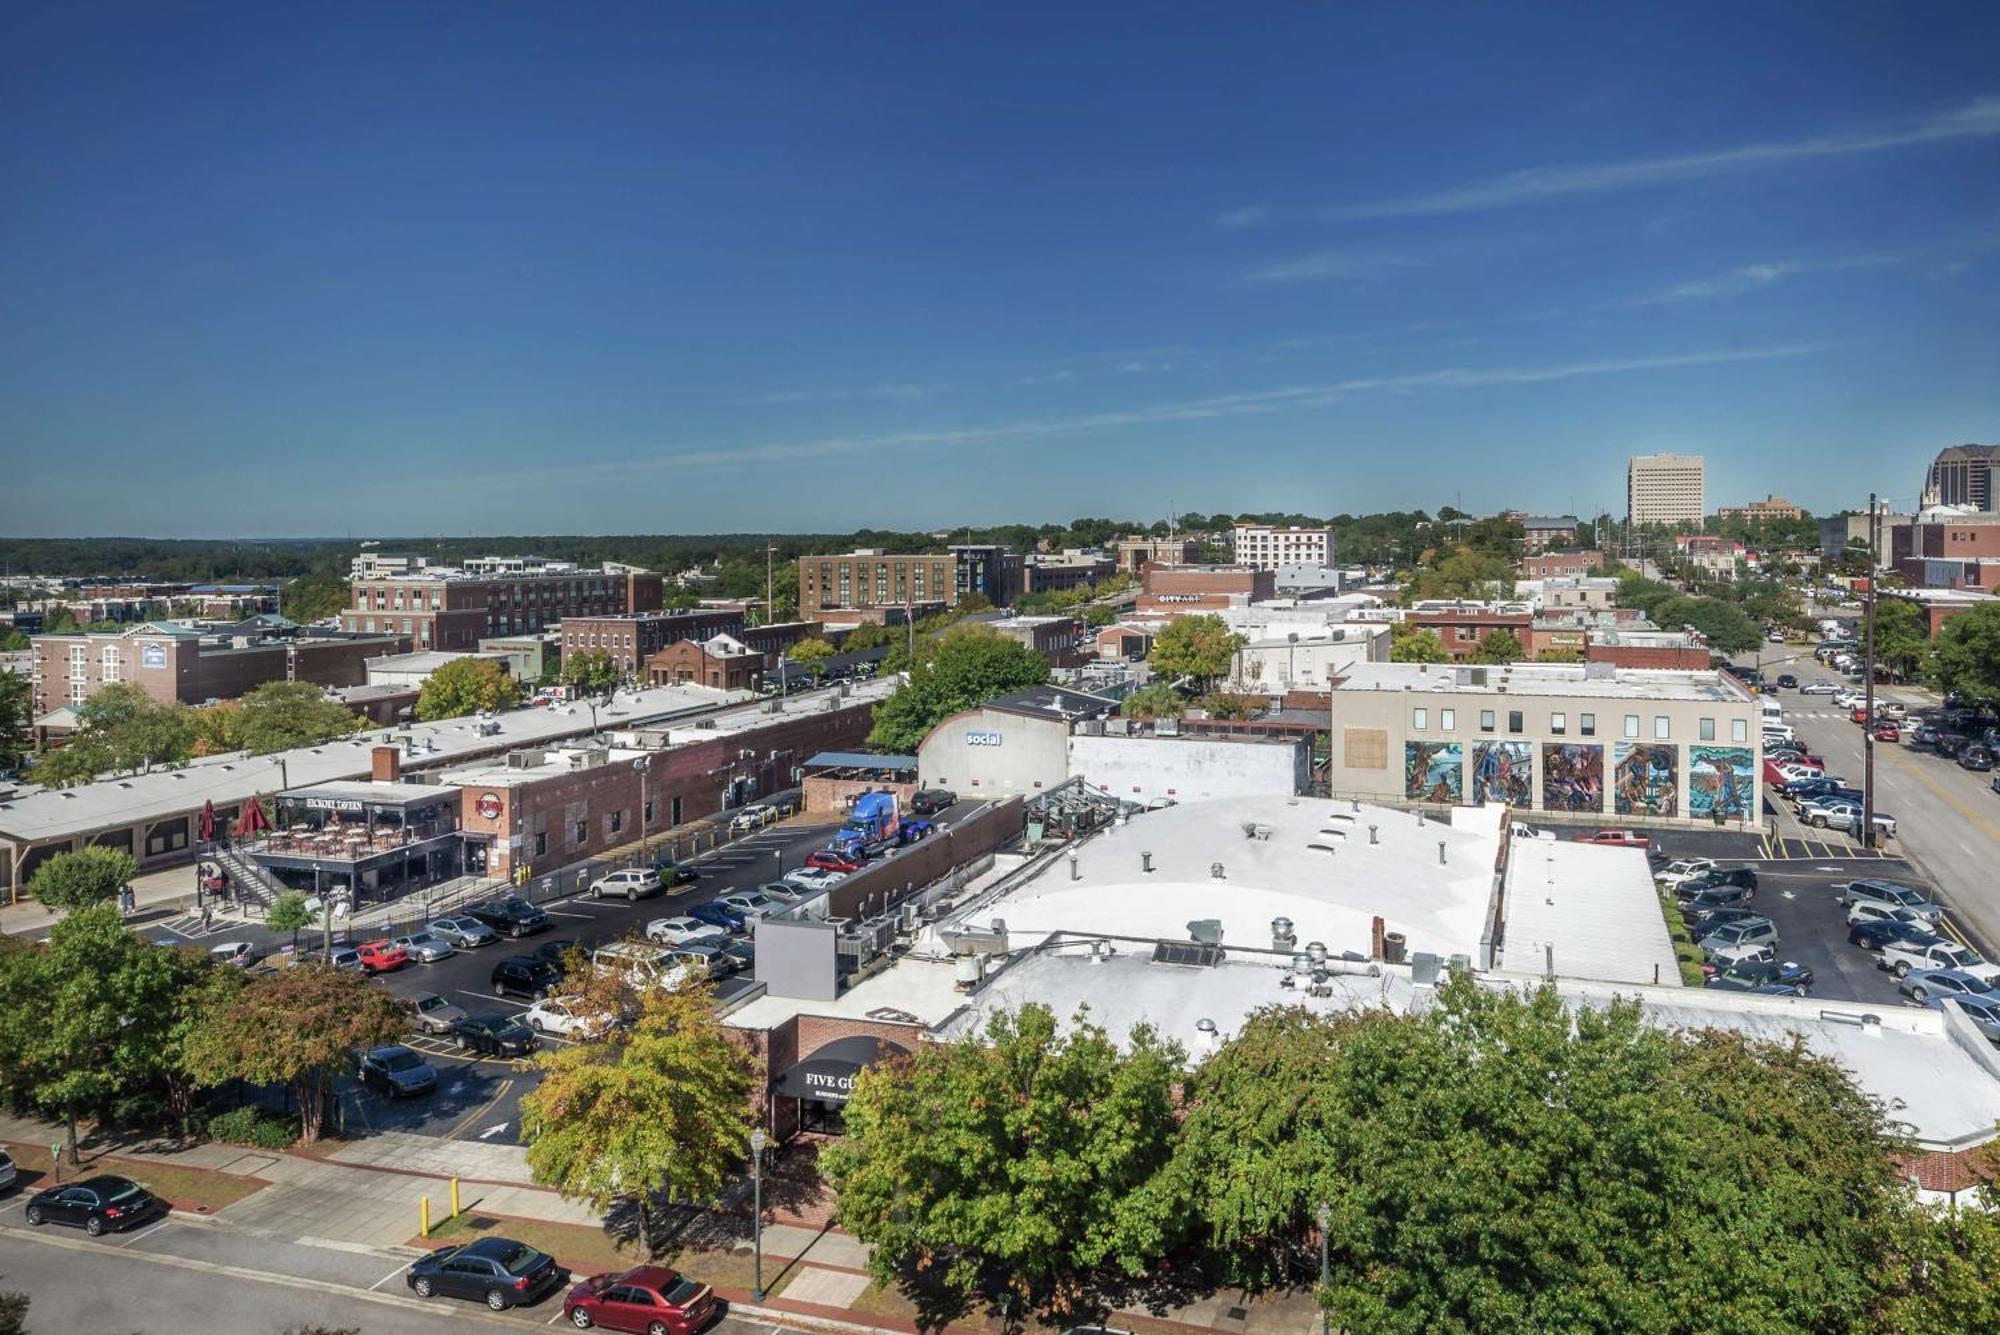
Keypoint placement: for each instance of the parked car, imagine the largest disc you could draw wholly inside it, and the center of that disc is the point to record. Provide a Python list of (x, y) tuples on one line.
[(464, 933), (1874, 936), (1982, 1009), (1868, 910), (1887, 731), (1681, 869), (525, 976), (9, 1174), (1749, 931), (1787, 681), (510, 916), (700, 960), (567, 1017), (1844, 814), (1949, 744), (750, 903), (1618, 839), (683, 930), (1975, 757), (1923, 984), (742, 956), (237, 954), (1707, 921), (779, 892), (1891, 711), (752, 818), (1767, 976), (1825, 786), (496, 1035), (555, 953), (813, 879), (397, 1071), (825, 859), (1724, 957), (425, 947), (650, 1298), (499, 1272), (930, 801), (1793, 753), (344, 958), (382, 956), (1721, 897), (1716, 878), (1903, 957), (630, 884), (435, 1014), (97, 1205), (1818, 688)]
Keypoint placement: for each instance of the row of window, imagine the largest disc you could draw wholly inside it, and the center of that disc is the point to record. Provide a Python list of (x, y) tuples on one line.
[(1586, 724)]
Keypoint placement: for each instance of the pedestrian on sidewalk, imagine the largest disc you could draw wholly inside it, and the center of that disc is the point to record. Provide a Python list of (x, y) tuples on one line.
[(207, 917)]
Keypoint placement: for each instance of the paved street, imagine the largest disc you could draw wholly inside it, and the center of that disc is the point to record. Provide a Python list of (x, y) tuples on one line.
[(180, 1276)]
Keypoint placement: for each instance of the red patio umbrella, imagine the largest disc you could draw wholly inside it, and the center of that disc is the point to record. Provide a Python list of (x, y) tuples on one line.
[(208, 821), (252, 820)]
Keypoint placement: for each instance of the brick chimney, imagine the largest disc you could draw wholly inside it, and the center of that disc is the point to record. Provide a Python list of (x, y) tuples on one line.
[(388, 764)]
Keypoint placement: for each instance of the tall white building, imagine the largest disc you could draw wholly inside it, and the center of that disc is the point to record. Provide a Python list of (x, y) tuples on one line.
[(1266, 548), (1664, 489)]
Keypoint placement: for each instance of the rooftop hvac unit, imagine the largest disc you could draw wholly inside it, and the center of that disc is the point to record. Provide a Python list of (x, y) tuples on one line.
[(1206, 931)]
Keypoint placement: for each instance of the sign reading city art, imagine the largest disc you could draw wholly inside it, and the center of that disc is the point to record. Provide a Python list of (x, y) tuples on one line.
[(828, 1074), (153, 655), (982, 739), (488, 806)]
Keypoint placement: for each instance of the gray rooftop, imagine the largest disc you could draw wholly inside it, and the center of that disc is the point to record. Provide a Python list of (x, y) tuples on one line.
[(1567, 680)]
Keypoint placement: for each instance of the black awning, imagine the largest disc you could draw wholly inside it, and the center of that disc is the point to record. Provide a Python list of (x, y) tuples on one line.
[(828, 1074)]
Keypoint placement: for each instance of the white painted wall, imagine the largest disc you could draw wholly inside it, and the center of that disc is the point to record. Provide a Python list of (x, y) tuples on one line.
[(1188, 769)]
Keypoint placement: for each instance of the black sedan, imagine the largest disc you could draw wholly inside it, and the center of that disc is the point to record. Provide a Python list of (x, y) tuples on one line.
[(97, 1205), (1717, 878), (1876, 933), (397, 1071), (509, 917), (496, 1035), (1787, 681), (1768, 976), (1975, 758), (499, 1272), (525, 976), (1721, 897)]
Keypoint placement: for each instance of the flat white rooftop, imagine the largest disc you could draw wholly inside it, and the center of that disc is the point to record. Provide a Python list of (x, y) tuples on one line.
[(1590, 912), (1568, 680)]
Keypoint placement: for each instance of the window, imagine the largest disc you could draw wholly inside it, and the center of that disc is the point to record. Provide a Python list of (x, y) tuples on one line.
[(541, 843), (1631, 725), (111, 663), (1486, 720), (649, 809), (1513, 720), (617, 819), (1587, 724), (1558, 724), (1447, 720), (1420, 719), (1708, 730), (1663, 727), (1739, 730), (582, 834)]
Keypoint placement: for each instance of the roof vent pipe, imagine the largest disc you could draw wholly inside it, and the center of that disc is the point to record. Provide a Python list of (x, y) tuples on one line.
[(1440, 852), (1372, 836), (1420, 817), (1074, 873), (1146, 863)]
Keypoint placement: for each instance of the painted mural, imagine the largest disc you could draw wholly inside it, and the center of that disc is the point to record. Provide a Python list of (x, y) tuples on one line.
[(1433, 771), (1647, 781), (1721, 780), (1572, 777), (1503, 772)]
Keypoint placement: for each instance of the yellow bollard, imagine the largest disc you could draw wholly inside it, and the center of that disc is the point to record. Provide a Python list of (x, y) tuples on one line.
[(454, 1198), (424, 1215)]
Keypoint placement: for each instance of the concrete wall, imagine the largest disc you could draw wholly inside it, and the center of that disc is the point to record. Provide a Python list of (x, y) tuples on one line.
[(1012, 753), (1190, 769), (883, 882)]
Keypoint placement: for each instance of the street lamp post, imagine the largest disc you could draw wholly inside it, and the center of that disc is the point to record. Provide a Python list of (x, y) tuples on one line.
[(757, 1143), (1324, 1217)]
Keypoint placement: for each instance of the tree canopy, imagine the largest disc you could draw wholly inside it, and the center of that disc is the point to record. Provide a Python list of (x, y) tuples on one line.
[(467, 686), (276, 716), (1201, 647), (82, 877), (592, 672), (1965, 655), (1408, 644), (963, 668), (16, 713), (120, 727), (1157, 700), (810, 651), (1498, 646)]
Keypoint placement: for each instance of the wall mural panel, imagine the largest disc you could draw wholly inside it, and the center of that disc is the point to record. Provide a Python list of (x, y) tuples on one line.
[(1648, 779), (1721, 779), (1572, 777), (1503, 772), (1433, 771)]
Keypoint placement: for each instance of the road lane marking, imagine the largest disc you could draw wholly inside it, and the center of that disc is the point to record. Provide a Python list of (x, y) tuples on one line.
[(459, 1127), (386, 1278)]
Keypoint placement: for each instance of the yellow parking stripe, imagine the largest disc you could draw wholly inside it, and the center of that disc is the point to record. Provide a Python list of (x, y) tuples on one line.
[(480, 1111)]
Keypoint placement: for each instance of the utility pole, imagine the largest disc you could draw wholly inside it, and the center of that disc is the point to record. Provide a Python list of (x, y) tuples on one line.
[(770, 607), (1868, 729)]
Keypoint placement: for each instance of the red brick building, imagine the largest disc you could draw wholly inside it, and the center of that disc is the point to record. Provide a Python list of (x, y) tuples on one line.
[(1560, 565), (633, 637), (173, 663), (1462, 628), (723, 662), (1169, 590), (455, 608)]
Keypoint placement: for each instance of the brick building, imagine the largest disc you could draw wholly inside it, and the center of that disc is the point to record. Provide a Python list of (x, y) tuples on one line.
[(544, 809), (873, 581), (1560, 565), (1170, 590), (1541, 532), (633, 637), (722, 661), (172, 662), (455, 607), (1058, 639), (1134, 552), (1461, 628), (1771, 507), (1943, 548), (1044, 573)]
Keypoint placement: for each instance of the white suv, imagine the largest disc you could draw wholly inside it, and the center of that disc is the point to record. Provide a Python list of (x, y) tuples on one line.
[(633, 883)]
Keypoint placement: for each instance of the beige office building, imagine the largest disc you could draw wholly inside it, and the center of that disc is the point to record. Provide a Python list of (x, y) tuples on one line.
[(1584, 741), (1664, 489)]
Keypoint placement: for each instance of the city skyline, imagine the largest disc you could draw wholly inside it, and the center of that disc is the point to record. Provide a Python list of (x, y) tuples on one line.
[(274, 271)]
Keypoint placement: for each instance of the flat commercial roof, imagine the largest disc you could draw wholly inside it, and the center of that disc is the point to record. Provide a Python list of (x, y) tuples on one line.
[(370, 793), (497, 773), (1590, 911), (1570, 680), (41, 815), (857, 760)]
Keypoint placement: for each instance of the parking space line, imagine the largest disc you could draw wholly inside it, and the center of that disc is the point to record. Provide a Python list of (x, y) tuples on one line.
[(391, 1275), (560, 913), (489, 998), (145, 1232)]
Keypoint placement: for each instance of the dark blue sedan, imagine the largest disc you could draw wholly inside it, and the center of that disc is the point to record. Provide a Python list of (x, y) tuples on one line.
[(499, 1272)]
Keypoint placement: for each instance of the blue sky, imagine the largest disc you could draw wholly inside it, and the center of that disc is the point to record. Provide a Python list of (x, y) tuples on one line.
[(276, 269)]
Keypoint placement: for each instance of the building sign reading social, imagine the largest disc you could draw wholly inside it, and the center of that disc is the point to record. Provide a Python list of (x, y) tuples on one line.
[(982, 739)]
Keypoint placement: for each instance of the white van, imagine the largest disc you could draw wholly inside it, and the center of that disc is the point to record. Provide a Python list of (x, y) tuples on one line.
[(642, 964), (1773, 711)]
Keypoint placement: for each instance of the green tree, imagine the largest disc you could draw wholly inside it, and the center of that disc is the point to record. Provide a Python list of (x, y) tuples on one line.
[(1012, 1166), (288, 913), (661, 1107), (12, 641), (297, 1028), (82, 878), (314, 597), (1201, 647), (16, 713), (810, 652), (13, 1312), (1408, 644), (961, 669), (280, 715), (1900, 642), (1158, 700), (1498, 646), (1462, 573), (467, 686), (120, 727), (1965, 656), (1952, 1280), (592, 672), (1230, 705), (1560, 654)]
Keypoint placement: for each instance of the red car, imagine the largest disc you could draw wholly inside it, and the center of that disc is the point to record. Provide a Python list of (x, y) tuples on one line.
[(1618, 839), (651, 1299), (1860, 714), (1886, 731), (828, 860), (381, 956)]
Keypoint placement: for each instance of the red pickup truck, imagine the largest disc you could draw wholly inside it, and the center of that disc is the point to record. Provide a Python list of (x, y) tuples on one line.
[(1618, 839)]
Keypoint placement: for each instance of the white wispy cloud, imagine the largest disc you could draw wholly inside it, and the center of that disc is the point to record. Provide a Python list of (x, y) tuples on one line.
[(1979, 119), (1248, 403), (1335, 265), (1243, 217), (1753, 277)]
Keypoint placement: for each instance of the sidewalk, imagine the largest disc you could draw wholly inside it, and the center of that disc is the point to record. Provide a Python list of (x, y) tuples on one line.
[(364, 1195)]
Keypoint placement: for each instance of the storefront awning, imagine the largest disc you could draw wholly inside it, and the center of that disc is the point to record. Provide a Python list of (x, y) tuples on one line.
[(828, 1075)]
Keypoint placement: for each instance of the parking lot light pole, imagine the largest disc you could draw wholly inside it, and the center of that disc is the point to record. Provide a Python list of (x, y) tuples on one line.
[(1868, 704), (757, 1212), (644, 765), (1323, 1216)]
